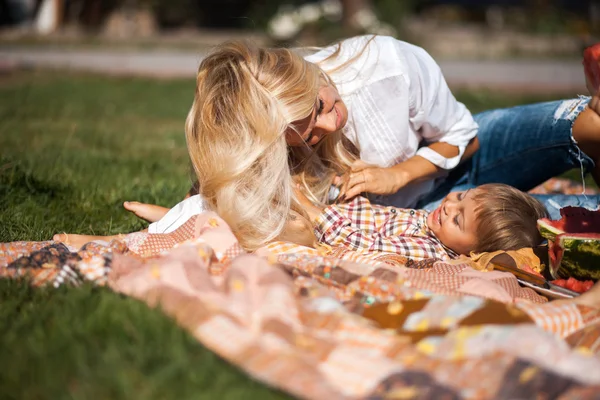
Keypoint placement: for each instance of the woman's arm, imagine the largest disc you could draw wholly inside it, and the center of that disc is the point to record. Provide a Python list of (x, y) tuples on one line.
[(444, 124), (435, 114), (371, 179), (418, 168)]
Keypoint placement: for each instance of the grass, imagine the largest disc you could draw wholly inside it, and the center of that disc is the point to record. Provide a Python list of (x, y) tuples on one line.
[(89, 343), (72, 149)]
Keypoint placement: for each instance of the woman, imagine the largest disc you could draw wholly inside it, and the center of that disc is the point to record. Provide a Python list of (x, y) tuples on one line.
[(374, 115)]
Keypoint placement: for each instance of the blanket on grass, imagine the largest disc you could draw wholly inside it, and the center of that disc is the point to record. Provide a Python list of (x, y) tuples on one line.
[(341, 325)]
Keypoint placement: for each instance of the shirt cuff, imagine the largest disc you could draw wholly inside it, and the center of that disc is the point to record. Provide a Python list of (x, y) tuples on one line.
[(439, 160), (178, 215)]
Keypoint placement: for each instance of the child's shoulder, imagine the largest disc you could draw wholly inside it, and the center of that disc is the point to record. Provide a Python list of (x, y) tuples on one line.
[(362, 205)]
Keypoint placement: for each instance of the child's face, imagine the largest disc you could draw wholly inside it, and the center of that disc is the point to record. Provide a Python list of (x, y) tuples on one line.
[(454, 222)]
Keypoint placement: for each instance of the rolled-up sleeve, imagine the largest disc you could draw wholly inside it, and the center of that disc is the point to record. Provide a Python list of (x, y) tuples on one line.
[(434, 113)]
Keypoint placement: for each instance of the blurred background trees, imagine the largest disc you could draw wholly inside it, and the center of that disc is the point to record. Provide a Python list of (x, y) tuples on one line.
[(311, 21)]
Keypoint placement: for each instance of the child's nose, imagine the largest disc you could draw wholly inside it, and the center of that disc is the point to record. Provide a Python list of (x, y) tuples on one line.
[(450, 207)]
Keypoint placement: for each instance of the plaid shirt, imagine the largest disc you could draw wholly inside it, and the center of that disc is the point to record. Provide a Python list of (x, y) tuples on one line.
[(363, 227)]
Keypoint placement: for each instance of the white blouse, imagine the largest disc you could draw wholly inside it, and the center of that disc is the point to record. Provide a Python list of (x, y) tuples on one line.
[(398, 102)]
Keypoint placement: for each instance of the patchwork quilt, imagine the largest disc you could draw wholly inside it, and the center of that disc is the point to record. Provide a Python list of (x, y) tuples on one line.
[(330, 323)]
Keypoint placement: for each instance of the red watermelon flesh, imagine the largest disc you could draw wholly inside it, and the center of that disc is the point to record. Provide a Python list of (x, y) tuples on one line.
[(574, 284), (573, 220), (555, 253), (591, 66)]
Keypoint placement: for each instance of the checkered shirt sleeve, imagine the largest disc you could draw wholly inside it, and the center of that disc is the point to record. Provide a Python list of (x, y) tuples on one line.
[(361, 226)]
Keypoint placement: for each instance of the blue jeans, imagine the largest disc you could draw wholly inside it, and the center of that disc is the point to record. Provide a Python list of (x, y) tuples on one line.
[(523, 147)]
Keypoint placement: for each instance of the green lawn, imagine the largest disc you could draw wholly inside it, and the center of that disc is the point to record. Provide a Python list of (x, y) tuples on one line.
[(72, 149)]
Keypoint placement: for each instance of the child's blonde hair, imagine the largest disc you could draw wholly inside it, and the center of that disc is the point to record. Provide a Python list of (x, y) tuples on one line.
[(507, 218), (246, 99)]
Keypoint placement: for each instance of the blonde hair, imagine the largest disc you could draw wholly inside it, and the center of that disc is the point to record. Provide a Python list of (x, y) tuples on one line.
[(246, 99), (507, 218)]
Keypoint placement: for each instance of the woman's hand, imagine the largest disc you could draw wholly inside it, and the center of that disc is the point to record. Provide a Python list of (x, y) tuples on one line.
[(371, 179), (377, 180)]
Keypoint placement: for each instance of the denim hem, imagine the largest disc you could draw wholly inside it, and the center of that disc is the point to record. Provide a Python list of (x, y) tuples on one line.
[(580, 155)]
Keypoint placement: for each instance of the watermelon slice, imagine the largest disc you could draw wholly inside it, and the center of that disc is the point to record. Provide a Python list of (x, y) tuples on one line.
[(573, 243), (574, 285), (591, 67)]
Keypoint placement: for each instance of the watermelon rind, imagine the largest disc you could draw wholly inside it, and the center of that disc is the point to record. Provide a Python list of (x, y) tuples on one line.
[(547, 230), (581, 256)]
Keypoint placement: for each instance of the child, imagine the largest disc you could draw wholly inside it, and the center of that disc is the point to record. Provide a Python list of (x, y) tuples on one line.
[(487, 218), (456, 227), (374, 110)]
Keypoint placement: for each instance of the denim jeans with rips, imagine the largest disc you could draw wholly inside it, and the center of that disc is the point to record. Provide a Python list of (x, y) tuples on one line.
[(523, 146)]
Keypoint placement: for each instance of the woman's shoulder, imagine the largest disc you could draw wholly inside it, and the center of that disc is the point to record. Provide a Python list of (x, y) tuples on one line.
[(357, 43), (360, 61), (359, 47)]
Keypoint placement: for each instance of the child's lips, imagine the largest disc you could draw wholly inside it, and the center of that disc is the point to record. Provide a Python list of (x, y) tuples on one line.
[(437, 215)]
